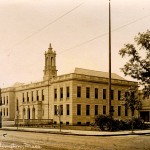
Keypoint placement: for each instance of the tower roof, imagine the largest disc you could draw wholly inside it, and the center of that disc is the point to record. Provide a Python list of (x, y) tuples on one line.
[(50, 48)]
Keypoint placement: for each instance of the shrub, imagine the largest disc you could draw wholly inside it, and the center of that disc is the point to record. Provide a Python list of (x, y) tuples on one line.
[(116, 125), (138, 123), (104, 123)]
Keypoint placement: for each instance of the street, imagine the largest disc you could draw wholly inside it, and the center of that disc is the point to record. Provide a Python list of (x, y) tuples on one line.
[(29, 140)]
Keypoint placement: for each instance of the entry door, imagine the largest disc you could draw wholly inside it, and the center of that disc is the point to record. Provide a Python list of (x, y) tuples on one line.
[(145, 116)]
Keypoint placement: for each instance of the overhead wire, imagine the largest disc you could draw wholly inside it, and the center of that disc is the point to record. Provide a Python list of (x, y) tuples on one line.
[(80, 44), (46, 26), (102, 35)]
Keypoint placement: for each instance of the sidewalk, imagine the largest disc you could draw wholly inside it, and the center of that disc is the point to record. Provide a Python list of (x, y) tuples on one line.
[(76, 132)]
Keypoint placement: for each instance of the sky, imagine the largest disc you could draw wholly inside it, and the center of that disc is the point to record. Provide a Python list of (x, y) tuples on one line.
[(76, 29)]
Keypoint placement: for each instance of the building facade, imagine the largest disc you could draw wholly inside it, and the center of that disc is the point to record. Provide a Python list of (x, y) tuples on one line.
[(74, 98), (145, 112)]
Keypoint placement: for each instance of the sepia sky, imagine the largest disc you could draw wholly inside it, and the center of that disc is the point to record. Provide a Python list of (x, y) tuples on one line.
[(77, 30)]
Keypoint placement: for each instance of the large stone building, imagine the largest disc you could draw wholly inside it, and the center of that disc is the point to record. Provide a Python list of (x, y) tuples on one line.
[(77, 97)]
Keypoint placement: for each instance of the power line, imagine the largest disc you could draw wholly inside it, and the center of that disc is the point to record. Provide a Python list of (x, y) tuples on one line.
[(104, 34), (46, 26)]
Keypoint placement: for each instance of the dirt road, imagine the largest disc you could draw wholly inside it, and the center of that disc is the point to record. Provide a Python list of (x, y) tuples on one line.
[(27, 141)]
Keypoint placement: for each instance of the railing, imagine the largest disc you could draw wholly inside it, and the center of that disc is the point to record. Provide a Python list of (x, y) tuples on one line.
[(33, 122)]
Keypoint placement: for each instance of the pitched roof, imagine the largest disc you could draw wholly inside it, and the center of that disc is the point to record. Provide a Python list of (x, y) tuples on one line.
[(97, 73)]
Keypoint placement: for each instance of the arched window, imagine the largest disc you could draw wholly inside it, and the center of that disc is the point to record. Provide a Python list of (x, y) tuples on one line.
[(28, 113), (33, 113), (46, 62), (52, 61), (24, 111)]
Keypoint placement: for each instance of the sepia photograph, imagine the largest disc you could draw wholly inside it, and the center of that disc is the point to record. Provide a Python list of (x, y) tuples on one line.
[(75, 75)]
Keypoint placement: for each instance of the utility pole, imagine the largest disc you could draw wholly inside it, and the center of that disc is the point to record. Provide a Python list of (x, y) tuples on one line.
[(110, 108), (59, 115)]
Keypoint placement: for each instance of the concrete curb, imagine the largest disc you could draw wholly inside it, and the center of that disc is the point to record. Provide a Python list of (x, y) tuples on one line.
[(76, 134)]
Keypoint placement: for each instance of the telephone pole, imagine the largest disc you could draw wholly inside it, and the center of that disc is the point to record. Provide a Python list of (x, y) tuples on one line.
[(109, 100)]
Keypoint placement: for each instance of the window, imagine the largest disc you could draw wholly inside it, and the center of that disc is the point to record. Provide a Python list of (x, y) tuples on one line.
[(126, 111), (24, 112), (112, 110), (52, 61), (42, 95), (119, 110), (119, 95), (61, 93), (78, 91), (87, 92), (88, 123), (104, 110), (67, 123), (96, 110), (7, 100), (55, 93), (78, 109), (61, 109), (4, 111), (87, 110), (37, 95), (96, 93), (112, 94), (43, 112), (67, 92), (104, 93), (23, 100), (32, 95), (17, 108), (4, 101), (55, 109), (67, 109), (7, 112), (78, 123), (27, 97)]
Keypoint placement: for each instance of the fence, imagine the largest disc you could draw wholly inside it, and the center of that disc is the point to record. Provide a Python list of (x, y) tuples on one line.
[(29, 122)]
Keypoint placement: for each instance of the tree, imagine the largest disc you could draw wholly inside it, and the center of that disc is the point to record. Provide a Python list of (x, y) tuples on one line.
[(138, 66), (132, 101)]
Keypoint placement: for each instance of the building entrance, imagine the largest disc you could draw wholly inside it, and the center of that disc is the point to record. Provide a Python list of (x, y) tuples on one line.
[(145, 116)]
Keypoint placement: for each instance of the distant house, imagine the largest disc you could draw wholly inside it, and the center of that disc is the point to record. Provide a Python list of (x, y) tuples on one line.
[(77, 97)]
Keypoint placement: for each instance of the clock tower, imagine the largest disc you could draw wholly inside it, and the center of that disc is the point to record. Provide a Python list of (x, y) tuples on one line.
[(50, 64)]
